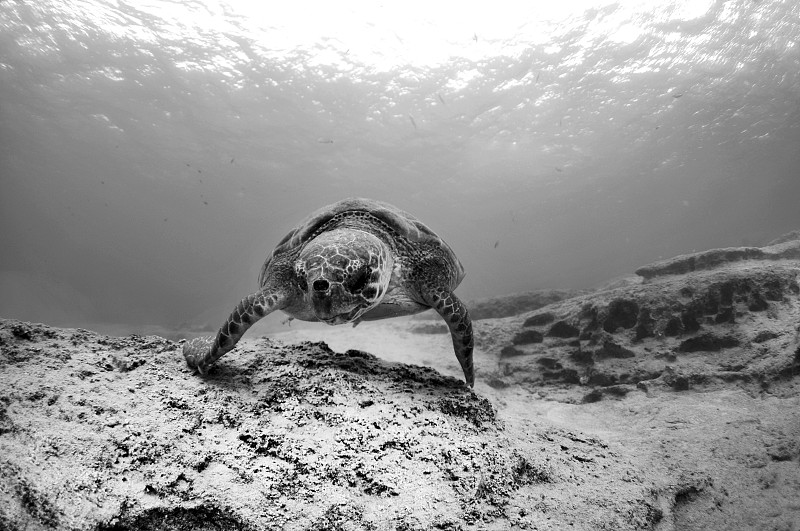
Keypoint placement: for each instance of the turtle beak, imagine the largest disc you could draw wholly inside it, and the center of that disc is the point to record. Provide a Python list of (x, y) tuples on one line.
[(323, 295), (322, 299), (344, 318)]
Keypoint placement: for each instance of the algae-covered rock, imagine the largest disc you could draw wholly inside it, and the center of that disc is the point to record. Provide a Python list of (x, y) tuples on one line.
[(745, 313), (103, 433)]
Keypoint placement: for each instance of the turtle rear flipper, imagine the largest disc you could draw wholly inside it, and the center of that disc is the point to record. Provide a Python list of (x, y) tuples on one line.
[(201, 352), (456, 316)]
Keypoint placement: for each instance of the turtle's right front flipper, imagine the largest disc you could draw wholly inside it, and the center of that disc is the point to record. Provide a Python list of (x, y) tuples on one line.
[(201, 352)]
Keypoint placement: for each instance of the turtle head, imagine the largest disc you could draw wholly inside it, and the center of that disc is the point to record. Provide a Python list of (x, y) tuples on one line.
[(343, 274)]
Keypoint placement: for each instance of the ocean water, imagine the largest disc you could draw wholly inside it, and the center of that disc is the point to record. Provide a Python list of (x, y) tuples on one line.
[(153, 152)]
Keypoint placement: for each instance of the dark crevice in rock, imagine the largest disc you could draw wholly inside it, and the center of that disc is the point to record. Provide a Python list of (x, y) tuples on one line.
[(527, 336), (610, 349), (708, 343), (540, 319), (563, 329), (645, 326), (621, 314)]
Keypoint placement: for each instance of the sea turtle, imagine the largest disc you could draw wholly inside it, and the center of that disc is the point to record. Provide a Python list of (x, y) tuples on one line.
[(354, 260)]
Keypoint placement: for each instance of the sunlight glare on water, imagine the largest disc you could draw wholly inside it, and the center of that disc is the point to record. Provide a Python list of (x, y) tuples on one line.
[(386, 36)]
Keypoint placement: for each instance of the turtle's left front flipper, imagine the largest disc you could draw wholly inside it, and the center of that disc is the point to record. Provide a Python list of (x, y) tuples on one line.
[(456, 316), (201, 352)]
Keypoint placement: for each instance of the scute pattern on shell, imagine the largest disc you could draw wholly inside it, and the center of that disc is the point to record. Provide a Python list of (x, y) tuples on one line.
[(395, 221)]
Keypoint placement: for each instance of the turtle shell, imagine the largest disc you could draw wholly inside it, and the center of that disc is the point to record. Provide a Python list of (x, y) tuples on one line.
[(397, 220)]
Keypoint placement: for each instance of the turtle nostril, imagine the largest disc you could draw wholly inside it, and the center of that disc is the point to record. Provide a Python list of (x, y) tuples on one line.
[(320, 285)]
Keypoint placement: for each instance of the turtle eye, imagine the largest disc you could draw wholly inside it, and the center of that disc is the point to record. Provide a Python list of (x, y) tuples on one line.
[(358, 280)]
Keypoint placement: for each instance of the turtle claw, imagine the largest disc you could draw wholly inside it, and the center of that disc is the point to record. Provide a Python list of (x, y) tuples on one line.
[(197, 352)]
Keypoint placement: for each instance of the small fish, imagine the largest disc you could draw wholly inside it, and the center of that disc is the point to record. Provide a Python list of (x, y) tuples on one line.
[(677, 95), (475, 37), (496, 244), (232, 161), (205, 202), (559, 169), (441, 99), (537, 75), (412, 121), (325, 141)]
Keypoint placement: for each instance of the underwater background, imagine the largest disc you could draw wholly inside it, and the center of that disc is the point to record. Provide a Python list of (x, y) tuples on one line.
[(152, 153)]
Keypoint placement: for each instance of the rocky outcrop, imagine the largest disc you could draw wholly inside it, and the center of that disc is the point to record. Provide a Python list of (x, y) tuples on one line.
[(788, 237), (727, 318), (785, 248), (103, 433)]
